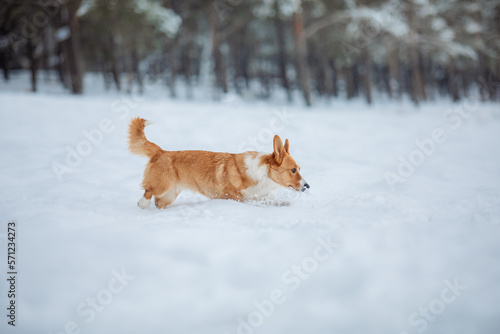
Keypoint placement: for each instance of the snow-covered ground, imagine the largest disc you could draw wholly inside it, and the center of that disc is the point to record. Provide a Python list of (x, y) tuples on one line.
[(392, 237)]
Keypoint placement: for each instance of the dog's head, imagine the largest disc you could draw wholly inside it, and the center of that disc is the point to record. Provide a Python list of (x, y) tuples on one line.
[(284, 170)]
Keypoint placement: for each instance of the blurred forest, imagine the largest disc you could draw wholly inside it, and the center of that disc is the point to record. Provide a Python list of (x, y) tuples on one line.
[(320, 48)]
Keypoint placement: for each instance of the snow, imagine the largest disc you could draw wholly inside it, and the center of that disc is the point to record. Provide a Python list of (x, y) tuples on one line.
[(266, 8), (473, 27), (387, 18), (438, 23), (373, 259), (85, 7), (169, 22), (63, 33)]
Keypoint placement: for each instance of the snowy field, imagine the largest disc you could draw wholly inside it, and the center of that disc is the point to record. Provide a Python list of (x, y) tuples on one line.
[(399, 232)]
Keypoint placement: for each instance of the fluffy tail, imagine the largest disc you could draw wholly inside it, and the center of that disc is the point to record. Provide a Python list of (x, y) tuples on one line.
[(137, 142)]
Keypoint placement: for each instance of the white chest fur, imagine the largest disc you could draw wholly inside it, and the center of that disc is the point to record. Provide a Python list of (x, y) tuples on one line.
[(259, 174)]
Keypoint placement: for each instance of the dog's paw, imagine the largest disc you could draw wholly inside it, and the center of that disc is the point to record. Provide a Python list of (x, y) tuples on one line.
[(144, 203)]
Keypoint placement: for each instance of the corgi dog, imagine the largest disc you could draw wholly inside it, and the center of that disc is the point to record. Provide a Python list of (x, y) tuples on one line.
[(240, 177)]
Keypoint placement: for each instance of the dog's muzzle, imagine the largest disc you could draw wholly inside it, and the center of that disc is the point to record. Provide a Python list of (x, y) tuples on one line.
[(304, 187)]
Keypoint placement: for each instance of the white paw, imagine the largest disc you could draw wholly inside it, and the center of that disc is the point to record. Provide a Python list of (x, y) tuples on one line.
[(144, 203)]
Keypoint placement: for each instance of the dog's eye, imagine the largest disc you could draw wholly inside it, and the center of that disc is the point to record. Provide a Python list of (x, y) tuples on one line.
[(294, 170)]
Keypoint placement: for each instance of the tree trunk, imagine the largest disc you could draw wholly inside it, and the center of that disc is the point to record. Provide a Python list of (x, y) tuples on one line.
[(496, 67), (452, 86), (171, 80), (61, 65), (464, 82), (394, 82), (105, 76), (186, 64), (328, 76), (220, 67), (349, 80), (366, 78), (129, 68), (496, 84), (71, 49), (4, 63), (335, 77), (137, 73), (115, 72), (355, 79), (282, 56), (46, 55), (417, 79), (301, 54), (417, 83), (5, 52), (33, 64), (206, 58), (431, 80)]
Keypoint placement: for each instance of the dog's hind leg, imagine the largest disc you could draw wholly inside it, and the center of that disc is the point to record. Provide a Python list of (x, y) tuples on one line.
[(162, 201), (145, 201)]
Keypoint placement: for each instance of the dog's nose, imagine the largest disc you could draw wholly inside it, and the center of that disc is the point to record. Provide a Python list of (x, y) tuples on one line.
[(305, 186)]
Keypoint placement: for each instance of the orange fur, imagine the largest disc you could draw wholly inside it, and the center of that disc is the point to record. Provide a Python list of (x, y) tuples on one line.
[(216, 175)]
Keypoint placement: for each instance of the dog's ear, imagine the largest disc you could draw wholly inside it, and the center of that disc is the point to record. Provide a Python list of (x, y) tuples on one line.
[(287, 146), (279, 150)]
